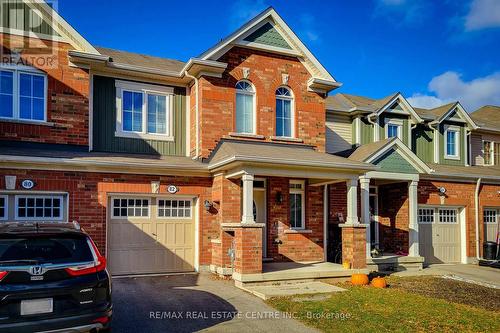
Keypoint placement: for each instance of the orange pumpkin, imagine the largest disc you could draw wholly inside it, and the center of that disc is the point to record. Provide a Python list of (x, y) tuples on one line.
[(359, 279), (379, 282)]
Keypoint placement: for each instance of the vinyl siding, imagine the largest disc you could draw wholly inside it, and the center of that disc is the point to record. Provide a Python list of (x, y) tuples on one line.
[(442, 147), (19, 16), (387, 117), (392, 161), (104, 124), (366, 132), (477, 150), (338, 133), (423, 143)]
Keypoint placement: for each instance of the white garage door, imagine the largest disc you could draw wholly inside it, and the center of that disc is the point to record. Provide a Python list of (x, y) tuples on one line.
[(439, 234), (150, 235), (491, 217)]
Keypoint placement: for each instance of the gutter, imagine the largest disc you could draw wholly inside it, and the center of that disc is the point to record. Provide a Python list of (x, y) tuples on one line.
[(197, 117), (476, 205)]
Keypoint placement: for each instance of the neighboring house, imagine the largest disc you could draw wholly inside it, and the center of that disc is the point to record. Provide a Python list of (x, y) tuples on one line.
[(170, 165)]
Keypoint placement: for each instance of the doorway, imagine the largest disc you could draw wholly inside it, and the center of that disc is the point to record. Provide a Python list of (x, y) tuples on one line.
[(374, 227), (259, 210)]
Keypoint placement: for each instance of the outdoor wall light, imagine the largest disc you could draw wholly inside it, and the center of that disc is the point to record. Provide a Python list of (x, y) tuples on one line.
[(279, 197), (442, 191), (208, 205)]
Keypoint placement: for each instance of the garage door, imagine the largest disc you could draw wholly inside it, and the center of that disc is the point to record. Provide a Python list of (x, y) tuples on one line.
[(150, 235), (439, 234), (491, 217)]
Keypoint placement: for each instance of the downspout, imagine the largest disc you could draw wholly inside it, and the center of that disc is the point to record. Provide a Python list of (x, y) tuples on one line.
[(197, 117), (376, 130), (476, 204)]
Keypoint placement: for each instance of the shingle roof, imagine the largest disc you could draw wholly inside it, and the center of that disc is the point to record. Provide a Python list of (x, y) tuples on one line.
[(365, 151), (136, 59), (347, 102), (487, 116), (488, 172)]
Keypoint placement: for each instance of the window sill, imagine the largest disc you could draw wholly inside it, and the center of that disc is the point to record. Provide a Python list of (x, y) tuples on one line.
[(144, 136), (298, 231), (455, 158), (28, 122), (286, 139), (247, 135)]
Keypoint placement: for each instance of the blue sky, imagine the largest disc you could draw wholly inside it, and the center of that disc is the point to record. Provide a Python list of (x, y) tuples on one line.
[(431, 51)]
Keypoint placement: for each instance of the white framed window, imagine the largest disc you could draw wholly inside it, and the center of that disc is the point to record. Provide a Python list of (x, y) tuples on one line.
[(394, 129), (297, 204), (129, 207), (174, 208), (4, 207), (491, 215), (448, 215), (452, 142), (144, 111), (284, 113), (39, 207), (488, 152), (245, 108), (426, 215), (23, 94)]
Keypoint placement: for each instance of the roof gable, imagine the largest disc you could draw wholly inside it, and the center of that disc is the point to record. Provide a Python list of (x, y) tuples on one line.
[(396, 103), (267, 35), (392, 161), (453, 112)]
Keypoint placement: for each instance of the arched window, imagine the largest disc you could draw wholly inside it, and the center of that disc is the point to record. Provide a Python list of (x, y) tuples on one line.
[(284, 112), (245, 101)]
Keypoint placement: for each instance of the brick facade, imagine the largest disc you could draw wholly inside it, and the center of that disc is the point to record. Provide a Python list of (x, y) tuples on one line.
[(354, 246), (67, 96)]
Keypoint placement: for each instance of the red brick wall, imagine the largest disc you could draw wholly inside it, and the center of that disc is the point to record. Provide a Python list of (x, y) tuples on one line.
[(354, 247), (294, 246), (218, 98), (248, 247), (67, 98)]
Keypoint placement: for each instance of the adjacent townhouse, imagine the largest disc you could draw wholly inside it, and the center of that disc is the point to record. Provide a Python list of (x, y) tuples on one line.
[(232, 158)]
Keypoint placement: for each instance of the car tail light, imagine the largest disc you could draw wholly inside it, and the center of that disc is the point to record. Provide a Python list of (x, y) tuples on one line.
[(102, 320), (3, 274), (98, 265)]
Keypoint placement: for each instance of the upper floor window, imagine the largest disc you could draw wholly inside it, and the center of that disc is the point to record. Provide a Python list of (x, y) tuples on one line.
[(394, 129), (23, 94), (144, 111), (284, 112), (488, 152), (245, 107), (451, 136)]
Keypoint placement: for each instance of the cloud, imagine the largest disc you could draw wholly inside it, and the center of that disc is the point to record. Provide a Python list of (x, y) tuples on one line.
[(244, 10), (399, 12), (307, 27), (450, 86), (483, 14)]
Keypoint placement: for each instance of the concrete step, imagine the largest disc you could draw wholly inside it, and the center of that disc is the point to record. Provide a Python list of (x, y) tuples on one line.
[(291, 289)]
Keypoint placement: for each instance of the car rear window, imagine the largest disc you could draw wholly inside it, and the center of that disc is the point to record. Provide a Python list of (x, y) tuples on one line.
[(47, 249)]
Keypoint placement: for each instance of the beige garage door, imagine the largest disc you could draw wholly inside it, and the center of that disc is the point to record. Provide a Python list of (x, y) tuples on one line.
[(439, 234), (491, 216), (150, 235)]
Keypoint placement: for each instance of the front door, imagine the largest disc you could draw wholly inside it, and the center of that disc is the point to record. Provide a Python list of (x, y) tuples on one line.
[(374, 231), (259, 214)]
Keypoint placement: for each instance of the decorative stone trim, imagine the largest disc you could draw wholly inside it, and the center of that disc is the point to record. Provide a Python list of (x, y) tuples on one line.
[(298, 231), (230, 225), (247, 135), (285, 139)]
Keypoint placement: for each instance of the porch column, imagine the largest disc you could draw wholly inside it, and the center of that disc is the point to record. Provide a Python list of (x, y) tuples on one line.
[(365, 210), (413, 219), (247, 214), (352, 201)]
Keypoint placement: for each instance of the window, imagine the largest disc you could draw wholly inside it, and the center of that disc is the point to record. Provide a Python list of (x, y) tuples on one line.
[(447, 216), (174, 208), (133, 207), (144, 111), (491, 215), (394, 130), (297, 205), (245, 101), (451, 142), (496, 153), (42, 208), (3, 207), (426, 215), (23, 94), (284, 112), (488, 152)]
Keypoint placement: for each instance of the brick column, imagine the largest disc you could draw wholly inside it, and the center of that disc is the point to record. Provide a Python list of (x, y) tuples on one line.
[(354, 245), (248, 247)]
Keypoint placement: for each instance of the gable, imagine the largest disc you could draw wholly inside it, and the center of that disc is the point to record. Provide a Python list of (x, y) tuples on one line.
[(392, 161), (19, 16), (268, 35)]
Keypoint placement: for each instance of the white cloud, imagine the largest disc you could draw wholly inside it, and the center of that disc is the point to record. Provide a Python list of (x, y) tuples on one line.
[(450, 86), (399, 12), (307, 27), (483, 14), (244, 10)]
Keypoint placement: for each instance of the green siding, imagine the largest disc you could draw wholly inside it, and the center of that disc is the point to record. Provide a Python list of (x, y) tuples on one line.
[(104, 124), (268, 35), (423, 143), (17, 15), (392, 161), (444, 160), (388, 116), (366, 132)]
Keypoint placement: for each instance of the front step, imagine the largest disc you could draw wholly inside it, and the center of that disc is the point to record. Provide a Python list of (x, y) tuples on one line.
[(395, 264), (266, 292)]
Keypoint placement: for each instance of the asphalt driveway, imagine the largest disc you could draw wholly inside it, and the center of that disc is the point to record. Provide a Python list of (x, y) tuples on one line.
[(191, 303)]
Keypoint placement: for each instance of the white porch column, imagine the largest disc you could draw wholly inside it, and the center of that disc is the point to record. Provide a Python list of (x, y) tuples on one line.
[(413, 218), (247, 201), (365, 210), (352, 201)]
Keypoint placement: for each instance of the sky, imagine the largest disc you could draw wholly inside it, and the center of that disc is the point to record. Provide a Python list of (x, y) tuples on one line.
[(432, 51)]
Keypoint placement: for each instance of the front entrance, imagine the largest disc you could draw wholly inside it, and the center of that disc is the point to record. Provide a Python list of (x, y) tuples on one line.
[(150, 235), (374, 227), (259, 211)]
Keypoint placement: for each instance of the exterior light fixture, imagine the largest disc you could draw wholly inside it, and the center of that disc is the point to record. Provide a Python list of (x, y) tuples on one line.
[(208, 205), (279, 197)]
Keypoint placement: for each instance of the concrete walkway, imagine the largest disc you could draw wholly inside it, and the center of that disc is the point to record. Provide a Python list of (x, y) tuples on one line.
[(471, 273), (192, 303)]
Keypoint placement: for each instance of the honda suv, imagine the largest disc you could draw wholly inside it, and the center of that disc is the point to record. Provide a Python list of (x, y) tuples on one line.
[(52, 278)]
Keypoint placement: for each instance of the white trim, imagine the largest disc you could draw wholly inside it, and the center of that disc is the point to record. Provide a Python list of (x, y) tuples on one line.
[(129, 197), (466, 147), (456, 130), (302, 193), (290, 98), (436, 144), (461, 113), (5, 208), (264, 228), (357, 134), (496, 212), (39, 196), (188, 122), (400, 98), (173, 198), (394, 122)]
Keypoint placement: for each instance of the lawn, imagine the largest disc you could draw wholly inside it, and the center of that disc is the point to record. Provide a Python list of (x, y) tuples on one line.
[(424, 304)]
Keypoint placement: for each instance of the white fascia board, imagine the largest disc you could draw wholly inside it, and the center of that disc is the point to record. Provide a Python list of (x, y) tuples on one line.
[(405, 103), (461, 113)]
